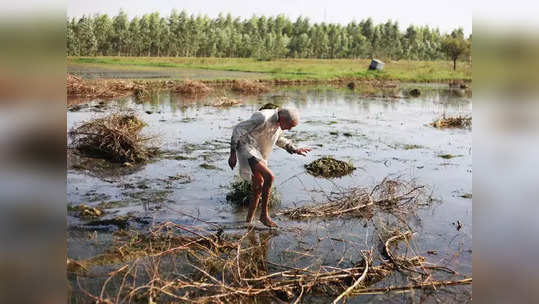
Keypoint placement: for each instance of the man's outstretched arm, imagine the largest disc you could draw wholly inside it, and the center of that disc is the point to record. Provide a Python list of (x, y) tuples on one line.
[(287, 144)]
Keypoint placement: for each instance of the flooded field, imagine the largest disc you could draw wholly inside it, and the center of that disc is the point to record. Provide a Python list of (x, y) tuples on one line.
[(188, 182)]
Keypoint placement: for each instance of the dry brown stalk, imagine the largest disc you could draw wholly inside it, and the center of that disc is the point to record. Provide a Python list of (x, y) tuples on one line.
[(389, 194), (433, 284), (225, 268)]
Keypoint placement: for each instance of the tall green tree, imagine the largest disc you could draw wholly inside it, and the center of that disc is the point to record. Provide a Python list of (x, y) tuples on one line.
[(455, 46)]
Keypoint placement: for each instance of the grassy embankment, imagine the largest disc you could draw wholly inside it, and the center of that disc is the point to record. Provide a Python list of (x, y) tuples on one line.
[(286, 69)]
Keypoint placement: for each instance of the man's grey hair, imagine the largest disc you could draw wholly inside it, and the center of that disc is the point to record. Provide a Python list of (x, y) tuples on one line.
[(289, 114)]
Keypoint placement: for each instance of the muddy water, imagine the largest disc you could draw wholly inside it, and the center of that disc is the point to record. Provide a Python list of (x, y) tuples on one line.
[(380, 136)]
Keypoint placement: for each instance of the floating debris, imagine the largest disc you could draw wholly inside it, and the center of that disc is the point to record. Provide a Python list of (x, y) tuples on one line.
[(448, 156), (181, 178), (224, 101), (208, 166), (329, 167), (85, 211), (452, 122)]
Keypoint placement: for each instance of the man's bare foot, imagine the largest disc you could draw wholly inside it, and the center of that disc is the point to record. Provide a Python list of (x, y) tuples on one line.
[(267, 221)]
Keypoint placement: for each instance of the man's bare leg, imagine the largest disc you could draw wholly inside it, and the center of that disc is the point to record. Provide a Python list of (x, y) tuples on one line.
[(256, 184), (268, 177)]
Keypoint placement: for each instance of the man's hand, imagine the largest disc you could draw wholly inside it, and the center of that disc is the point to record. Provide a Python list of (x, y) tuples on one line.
[(303, 151), (232, 160)]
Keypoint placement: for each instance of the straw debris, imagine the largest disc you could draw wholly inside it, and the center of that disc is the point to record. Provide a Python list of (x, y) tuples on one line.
[(116, 137), (178, 263), (224, 101), (390, 195), (453, 122)]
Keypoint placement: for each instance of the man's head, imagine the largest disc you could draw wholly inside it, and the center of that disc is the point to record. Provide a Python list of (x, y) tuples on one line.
[(288, 118)]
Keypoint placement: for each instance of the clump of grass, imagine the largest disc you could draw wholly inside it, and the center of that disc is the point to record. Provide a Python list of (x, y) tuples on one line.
[(116, 137), (453, 122), (329, 167), (249, 87), (192, 87), (241, 193)]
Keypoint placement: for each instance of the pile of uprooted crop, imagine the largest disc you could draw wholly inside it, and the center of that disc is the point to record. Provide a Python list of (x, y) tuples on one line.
[(192, 87), (116, 137), (453, 122), (249, 87), (329, 167), (76, 87)]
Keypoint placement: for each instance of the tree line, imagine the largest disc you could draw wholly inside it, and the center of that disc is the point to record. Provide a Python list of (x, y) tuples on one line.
[(184, 35)]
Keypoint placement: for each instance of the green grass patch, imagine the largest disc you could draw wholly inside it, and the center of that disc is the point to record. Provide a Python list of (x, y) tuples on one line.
[(293, 69)]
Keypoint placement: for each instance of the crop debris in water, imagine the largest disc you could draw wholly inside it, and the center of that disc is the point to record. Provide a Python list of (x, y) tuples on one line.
[(329, 167), (116, 137)]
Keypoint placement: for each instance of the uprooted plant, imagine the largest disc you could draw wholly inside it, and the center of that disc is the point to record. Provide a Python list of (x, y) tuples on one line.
[(189, 264), (116, 137), (391, 194)]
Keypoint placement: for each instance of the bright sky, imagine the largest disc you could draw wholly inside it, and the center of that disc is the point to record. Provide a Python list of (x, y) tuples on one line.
[(446, 15)]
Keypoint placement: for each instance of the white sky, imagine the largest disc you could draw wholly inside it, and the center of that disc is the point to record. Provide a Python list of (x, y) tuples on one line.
[(446, 15)]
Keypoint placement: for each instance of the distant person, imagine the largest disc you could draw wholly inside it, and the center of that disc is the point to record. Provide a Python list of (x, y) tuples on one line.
[(252, 141)]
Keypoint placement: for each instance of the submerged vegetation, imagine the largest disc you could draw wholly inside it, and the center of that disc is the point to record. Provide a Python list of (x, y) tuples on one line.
[(329, 167), (241, 193), (116, 137)]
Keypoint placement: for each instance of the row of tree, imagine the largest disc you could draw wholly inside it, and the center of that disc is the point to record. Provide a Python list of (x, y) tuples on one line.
[(180, 34)]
